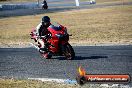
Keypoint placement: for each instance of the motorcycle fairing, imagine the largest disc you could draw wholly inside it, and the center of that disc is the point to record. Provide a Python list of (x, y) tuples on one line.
[(55, 40)]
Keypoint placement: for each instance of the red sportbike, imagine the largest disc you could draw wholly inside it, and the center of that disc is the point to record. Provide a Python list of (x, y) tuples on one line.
[(56, 42)]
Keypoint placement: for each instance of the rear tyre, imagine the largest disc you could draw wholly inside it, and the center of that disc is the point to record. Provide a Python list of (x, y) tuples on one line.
[(68, 52)]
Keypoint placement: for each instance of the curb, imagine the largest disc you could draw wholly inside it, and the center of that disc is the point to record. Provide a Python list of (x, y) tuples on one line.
[(66, 81)]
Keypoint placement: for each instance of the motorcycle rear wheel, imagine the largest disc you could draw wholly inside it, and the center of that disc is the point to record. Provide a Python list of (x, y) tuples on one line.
[(69, 52)]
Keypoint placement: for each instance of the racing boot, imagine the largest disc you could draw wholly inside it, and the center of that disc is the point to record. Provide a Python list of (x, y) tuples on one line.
[(43, 50)]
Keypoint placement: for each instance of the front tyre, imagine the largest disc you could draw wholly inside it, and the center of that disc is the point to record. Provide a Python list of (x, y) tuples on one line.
[(47, 55), (69, 52)]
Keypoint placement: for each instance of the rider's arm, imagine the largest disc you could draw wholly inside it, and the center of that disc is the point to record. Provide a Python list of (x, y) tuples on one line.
[(38, 29)]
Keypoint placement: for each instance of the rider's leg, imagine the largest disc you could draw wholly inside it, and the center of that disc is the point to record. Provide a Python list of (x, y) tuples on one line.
[(42, 46)]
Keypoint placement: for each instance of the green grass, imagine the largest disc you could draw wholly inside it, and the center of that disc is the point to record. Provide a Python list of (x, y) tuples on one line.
[(91, 26)]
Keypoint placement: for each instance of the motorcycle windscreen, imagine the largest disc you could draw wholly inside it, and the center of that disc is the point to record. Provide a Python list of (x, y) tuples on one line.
[(56, 28)]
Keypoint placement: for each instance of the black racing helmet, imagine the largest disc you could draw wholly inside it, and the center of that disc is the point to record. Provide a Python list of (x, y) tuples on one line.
[(46, 19)]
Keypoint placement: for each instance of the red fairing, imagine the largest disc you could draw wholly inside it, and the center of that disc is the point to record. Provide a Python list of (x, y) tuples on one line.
[(55, 40)]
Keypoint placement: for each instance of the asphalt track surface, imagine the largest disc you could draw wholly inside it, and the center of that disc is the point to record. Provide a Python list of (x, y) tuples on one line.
[(28, 63)]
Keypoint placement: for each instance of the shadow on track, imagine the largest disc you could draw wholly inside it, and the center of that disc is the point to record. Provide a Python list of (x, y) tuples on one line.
[(84, 58)]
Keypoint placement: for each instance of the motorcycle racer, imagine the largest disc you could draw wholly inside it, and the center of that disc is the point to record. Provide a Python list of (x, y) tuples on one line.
[(42, 30), (52, 39), (44, 5)]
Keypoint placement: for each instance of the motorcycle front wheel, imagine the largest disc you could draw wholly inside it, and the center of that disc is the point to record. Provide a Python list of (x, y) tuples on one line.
[(47, 55), (68, 52)]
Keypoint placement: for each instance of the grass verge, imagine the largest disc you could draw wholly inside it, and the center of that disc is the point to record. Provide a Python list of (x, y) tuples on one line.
[(14, 83), (90, 26)]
